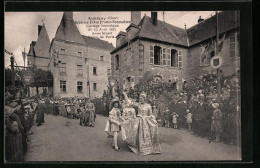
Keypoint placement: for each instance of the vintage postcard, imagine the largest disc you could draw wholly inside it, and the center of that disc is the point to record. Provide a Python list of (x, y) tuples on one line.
[(122, 86)]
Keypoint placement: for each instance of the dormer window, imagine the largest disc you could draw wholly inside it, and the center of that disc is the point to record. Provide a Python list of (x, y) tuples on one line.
[(79, 54), (62, 51)]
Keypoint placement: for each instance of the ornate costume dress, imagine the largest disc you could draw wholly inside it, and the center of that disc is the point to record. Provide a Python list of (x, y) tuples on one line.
[(128, 112), (141, 133), (91, 110)]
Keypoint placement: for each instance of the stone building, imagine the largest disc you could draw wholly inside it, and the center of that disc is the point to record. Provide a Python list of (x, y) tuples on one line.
[(80, 64), (173, 54), (202, 40)]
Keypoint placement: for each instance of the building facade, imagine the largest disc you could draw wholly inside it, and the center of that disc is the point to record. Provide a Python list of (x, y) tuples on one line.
[(80, 64), (174, 54), (202, 44)]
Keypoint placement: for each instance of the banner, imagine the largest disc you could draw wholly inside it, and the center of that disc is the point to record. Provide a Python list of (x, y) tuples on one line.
[(27, 76)]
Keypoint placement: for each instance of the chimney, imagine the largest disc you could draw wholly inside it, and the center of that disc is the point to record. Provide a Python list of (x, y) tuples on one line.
[(135, 17), (68, 15), (39, 29), (200, 19), (154, 17), (31, 53), (120, 38)]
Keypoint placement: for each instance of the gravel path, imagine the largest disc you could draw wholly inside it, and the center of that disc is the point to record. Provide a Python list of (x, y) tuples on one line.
[(62, 139)]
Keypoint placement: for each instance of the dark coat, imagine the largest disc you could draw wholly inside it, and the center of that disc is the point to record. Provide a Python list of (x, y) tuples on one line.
[(40, 114)]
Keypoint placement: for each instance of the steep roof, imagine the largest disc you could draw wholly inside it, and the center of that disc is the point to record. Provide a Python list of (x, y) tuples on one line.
[(162, 31), (206, 29), (41, 47), (68, 30), (97, 43)]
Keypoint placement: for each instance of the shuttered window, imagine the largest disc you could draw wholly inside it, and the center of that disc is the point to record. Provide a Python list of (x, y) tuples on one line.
[(180, 58), (168, 57), (151, 54), (164, 59)]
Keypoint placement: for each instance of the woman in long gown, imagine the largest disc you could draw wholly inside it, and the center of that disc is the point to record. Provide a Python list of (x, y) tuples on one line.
[(91, 110), (62, 109), (141, 133)]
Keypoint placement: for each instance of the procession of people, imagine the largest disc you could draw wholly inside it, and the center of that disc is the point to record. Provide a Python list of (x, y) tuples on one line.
[(196, 108), (135, 115)]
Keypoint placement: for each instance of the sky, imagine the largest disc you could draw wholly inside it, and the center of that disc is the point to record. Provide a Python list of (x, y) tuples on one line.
[(21, 28)]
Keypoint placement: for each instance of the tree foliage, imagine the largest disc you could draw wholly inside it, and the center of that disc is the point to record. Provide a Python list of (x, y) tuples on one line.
[(8, 79), (42, 78)]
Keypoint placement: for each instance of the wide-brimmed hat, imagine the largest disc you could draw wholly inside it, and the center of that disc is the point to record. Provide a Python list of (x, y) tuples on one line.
[(115, 100), (8, 111), (13, 104), (27, 106), (215, 105)]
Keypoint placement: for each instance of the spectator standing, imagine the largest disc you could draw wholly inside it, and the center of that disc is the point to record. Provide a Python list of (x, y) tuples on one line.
[(91, 108), (167, 117), (189, 119), (40, 113), (217, 121)]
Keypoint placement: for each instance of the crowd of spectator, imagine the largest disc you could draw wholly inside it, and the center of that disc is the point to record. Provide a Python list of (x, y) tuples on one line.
[(196, 108), (19, 118)]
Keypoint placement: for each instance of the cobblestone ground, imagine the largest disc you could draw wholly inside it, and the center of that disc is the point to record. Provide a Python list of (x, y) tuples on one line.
[(62, 139)]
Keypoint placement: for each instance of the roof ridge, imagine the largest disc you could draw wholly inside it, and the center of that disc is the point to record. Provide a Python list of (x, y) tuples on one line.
[(167, 23), (204, 20)]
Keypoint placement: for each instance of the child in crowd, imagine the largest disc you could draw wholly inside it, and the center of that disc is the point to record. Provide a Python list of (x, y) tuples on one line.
[(174, 119), (189, 119)]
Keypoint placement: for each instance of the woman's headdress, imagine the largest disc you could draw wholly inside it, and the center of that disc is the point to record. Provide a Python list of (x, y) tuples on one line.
[(143, 94)]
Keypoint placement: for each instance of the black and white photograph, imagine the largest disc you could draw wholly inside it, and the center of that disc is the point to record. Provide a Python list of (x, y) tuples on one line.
[(122, 86)]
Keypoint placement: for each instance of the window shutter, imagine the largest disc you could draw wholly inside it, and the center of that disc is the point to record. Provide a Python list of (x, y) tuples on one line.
[(168, 57), (164, 56), (161, 57), (151, 54), (180, 58)]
